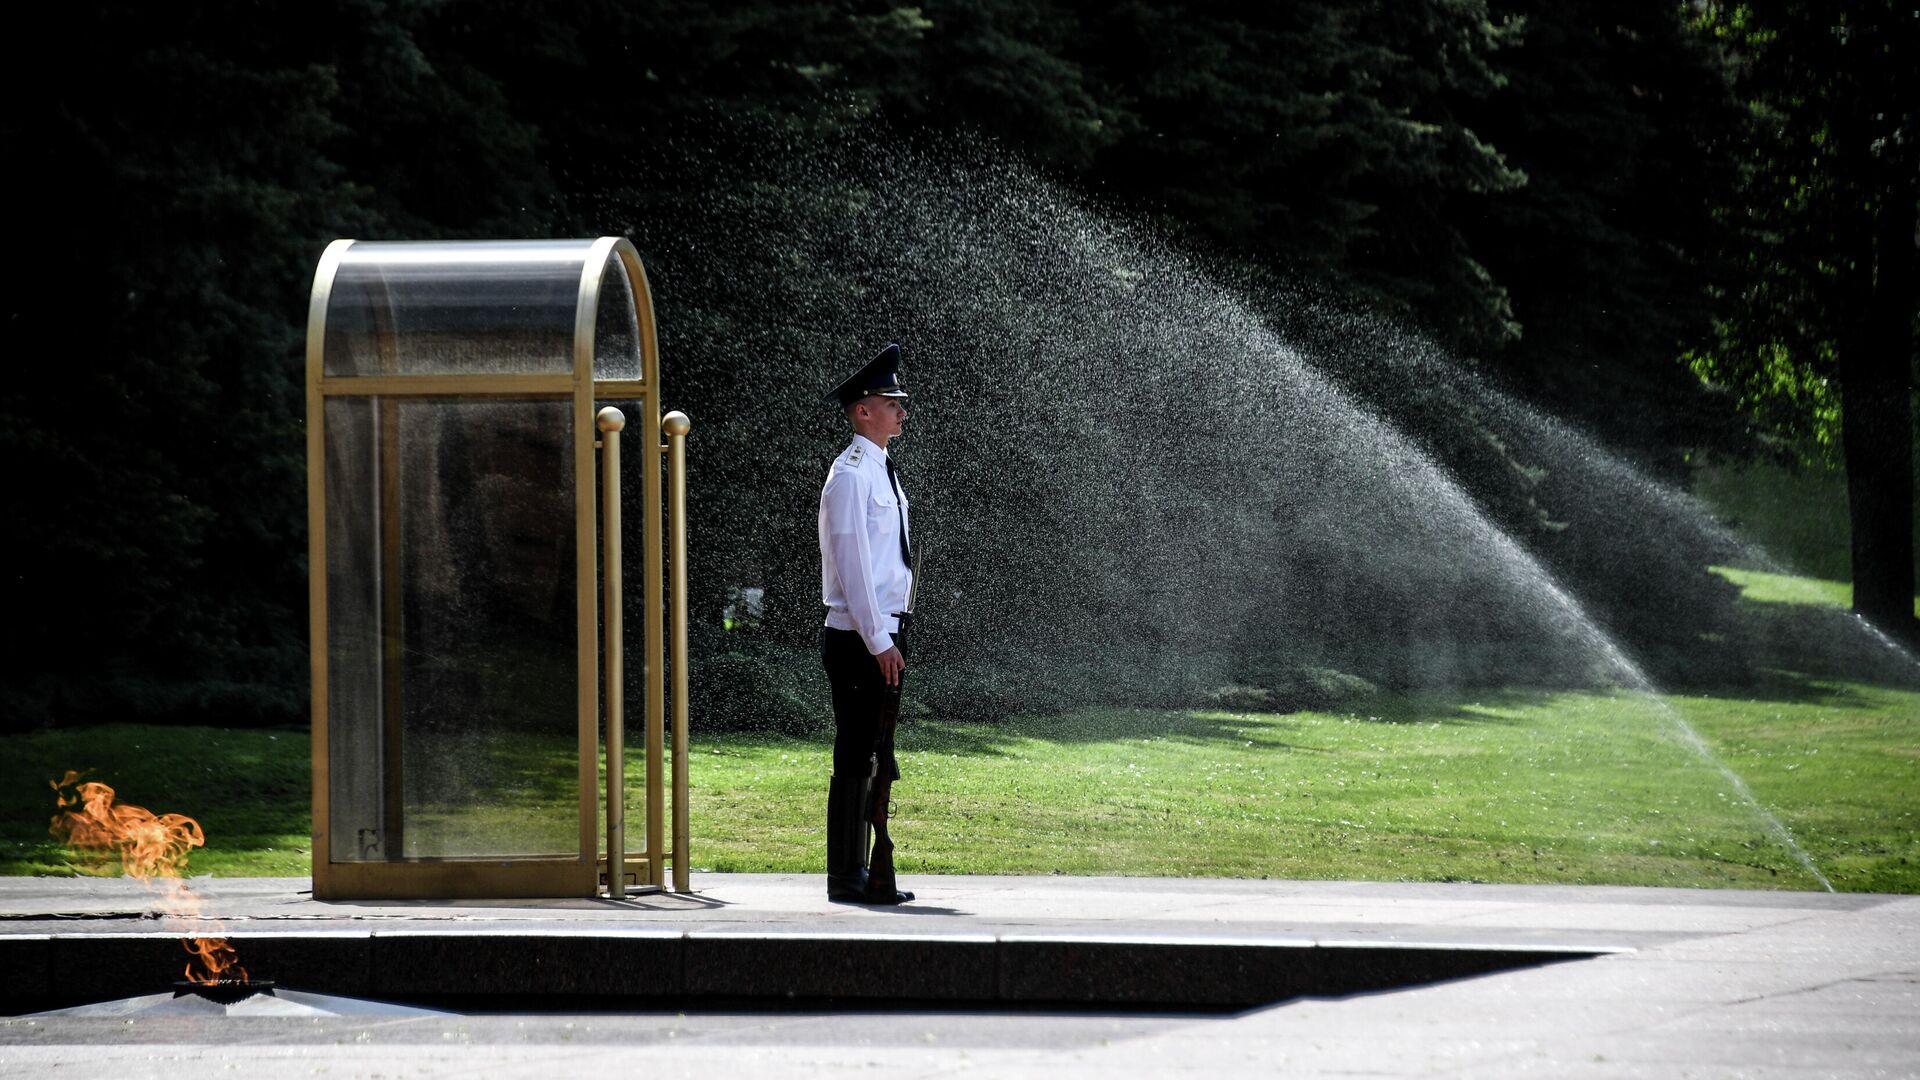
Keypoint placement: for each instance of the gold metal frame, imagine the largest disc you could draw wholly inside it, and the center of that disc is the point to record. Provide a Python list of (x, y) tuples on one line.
[(676, 425), (583, 874)]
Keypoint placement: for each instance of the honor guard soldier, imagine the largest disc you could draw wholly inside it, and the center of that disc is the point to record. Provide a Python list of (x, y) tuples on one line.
[(866, 573)]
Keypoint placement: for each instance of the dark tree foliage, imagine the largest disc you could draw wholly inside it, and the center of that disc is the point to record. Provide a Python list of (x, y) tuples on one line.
[(1323, 139), (153, 539), (1828, 219), (1624, 120), (1014, 69), (188, 164), (1524, 182)]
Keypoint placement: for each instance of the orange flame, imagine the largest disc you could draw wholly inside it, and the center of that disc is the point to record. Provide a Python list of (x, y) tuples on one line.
[(149, 847)]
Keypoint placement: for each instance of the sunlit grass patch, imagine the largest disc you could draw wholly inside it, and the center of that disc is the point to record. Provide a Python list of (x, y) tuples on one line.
[(1798, 516), (1762, 587)]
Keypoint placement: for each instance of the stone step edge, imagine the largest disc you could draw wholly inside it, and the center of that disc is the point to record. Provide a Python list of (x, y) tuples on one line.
[(53, 970)]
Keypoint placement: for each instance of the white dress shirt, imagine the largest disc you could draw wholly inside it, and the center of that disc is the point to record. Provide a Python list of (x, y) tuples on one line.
[(863, 573)]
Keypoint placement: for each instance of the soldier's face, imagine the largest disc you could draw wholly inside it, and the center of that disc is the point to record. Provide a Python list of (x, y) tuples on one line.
[(887, 414)]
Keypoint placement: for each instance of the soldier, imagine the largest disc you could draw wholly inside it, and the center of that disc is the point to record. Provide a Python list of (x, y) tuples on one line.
[(866, 569)]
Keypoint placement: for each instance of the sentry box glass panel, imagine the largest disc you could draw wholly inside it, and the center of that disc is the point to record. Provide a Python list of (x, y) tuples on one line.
[(469, 632)]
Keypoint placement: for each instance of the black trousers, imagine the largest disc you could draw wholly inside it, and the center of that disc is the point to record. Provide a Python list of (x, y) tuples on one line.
[(858, 692)]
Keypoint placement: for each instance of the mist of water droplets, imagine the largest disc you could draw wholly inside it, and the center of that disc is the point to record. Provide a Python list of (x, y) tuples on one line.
[(1131, 483)]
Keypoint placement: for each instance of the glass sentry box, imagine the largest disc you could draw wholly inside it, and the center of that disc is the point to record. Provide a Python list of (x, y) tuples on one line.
[(466, 409)]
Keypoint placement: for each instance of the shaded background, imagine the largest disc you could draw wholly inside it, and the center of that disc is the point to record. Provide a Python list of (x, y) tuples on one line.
[(1683, 228)]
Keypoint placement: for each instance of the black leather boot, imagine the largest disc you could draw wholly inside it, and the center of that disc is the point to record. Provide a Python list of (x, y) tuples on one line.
[(846, 842)]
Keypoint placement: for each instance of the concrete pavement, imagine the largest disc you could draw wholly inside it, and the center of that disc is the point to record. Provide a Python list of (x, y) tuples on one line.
[(1678, 983)]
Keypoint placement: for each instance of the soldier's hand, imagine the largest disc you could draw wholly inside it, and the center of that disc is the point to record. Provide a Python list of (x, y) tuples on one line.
[(891, 664)]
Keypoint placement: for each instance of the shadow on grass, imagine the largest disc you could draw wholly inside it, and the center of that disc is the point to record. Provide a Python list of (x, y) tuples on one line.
[(1266, 730), (1094, 725), (1783, 687), (1795, 653), (1824, 643), (1512, 706)]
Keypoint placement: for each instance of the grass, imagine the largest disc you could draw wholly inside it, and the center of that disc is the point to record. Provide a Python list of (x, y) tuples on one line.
[(1797, 515), (1762, 587), (1508, 785), (248, 789), (1505, 786)]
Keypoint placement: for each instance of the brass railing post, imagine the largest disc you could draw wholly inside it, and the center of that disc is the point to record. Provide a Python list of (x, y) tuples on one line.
[(676, 425), (610, 421)]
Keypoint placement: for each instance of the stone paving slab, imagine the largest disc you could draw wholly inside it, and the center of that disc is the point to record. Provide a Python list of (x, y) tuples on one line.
[(775, 903), (1716, 984)]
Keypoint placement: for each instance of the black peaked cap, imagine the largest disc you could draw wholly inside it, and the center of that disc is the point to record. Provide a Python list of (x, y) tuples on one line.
[(879, 377)]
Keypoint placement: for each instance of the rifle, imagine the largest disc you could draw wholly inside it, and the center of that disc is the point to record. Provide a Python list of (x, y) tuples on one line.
[(885, 767)]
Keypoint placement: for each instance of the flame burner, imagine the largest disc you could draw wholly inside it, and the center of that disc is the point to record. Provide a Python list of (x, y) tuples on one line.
[(223, 991), (239, 998)]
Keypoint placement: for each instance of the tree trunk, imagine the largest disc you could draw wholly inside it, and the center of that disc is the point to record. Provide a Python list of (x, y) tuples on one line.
[(1876, 385)]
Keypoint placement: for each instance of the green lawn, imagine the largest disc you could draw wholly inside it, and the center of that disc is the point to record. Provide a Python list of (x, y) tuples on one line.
[(1505, 786), (1508, 785), (1761, 587), (1797, 515), (248, 789)]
